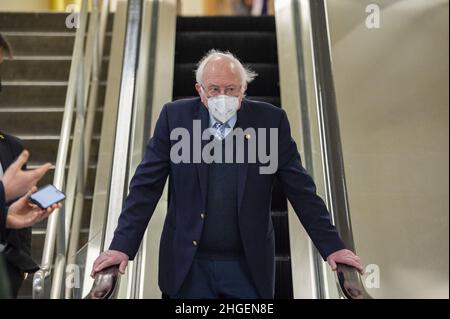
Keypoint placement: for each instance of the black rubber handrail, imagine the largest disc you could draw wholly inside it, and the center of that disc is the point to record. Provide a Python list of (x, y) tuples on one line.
[(350, 283), (105, 284), (348, 277)]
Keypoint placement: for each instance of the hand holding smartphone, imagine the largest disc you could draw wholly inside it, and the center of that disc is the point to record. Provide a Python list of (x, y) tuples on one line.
[(47, 196)]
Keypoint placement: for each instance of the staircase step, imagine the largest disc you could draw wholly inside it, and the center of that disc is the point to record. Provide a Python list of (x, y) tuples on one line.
[(39, 21), (249, 47), (39, 69), (38, 94)]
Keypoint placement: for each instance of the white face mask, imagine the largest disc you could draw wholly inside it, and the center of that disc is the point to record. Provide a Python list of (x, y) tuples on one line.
[(223, 107)]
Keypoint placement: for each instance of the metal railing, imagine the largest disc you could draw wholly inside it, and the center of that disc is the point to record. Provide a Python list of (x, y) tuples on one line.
[(348, 277), (152, 88), (80, 160), (349, 280), (308, 96), (106, 282), (82, 90)]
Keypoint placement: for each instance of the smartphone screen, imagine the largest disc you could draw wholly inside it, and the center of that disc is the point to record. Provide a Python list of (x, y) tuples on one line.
[(47, 196)]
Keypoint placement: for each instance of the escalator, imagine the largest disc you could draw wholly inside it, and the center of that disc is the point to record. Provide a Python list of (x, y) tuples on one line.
[(147, 82), (34, 88), (253, 41)]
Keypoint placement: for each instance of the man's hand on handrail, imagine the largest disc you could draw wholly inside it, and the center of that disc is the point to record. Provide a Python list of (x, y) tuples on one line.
[(110, 258), (17, 182), (347, 257)]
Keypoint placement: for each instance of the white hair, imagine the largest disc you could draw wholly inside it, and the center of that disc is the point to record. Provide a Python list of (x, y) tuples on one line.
[(247, 75)]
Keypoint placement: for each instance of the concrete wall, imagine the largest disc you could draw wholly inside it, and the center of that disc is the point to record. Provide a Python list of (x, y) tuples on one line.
[(191, 7), (393, 101), (25, 5)]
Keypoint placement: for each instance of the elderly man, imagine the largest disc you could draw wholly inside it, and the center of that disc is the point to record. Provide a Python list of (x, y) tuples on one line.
[(218, 239)]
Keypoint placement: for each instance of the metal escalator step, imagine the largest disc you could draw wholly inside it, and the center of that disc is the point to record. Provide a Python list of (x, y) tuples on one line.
[(283, 280), (44, 148), (249, 47), (39, 21), (218, 23), (45, 123), (42, 44), (90, 181), (37, 245), (37, 242), (253, 41), (266, 83), (85, 221), (38, 69), (281, 228), (38, 94), (279, 202)]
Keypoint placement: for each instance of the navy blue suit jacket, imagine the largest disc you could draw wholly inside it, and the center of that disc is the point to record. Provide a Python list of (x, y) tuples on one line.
[(183, 224)]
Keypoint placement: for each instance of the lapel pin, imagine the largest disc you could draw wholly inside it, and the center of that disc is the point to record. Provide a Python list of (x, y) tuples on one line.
[(247, 136), (2, 137)]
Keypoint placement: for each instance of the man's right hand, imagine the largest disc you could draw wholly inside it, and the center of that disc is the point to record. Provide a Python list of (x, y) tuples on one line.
[(17, 182), (110, 258)]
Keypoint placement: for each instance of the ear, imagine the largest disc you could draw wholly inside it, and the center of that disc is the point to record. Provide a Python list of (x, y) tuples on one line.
[(198, 88), (202, 95)]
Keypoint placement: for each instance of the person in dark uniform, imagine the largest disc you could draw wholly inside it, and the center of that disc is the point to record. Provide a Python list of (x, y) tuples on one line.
[(16, 183), (15, 240), (17, 250), (5, 50)]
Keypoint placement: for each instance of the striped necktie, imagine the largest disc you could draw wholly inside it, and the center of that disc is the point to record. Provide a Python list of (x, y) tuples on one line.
[(220, 129)]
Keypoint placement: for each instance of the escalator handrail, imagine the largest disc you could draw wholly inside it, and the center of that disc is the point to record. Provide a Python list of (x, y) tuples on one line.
[(348, 277), (107, 280), (105, 284), (350, 283), (55, 224)]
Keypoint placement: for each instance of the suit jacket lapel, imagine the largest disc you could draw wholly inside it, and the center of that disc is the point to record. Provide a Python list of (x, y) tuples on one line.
[(244, 122), (202, 168)]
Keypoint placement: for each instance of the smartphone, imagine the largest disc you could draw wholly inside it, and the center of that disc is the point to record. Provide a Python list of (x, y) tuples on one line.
[(47, 196)]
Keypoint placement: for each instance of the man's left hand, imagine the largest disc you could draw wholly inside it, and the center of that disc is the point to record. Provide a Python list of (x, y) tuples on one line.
[(345, 256)]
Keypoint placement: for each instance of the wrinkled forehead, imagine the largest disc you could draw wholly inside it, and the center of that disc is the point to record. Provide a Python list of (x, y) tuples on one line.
[(221, 70)]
